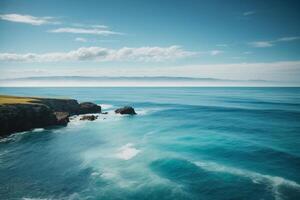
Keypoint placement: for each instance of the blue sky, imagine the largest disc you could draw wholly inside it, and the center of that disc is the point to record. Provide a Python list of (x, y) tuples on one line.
[(218, 39)]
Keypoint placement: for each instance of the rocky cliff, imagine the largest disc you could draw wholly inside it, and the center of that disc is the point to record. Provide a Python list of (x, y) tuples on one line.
[(22, 114)]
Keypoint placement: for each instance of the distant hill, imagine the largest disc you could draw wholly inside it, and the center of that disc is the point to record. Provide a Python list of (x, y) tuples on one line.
[(130, 81)]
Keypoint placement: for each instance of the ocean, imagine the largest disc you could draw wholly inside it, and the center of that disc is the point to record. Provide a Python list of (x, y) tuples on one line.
[(185, 143)]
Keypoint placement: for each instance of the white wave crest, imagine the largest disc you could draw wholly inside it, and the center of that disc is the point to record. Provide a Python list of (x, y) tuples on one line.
[(146, 111), (13, 137), (127, 152), (106, 106), (108, 175), (75, 120), (38, 130), (274, 181)]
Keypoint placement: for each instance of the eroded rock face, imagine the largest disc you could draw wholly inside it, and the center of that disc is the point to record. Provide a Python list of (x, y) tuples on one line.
[(126, 110), (89, 117), (41, 113), (23, 117), (61, 105), (88, 107), (62, 118)]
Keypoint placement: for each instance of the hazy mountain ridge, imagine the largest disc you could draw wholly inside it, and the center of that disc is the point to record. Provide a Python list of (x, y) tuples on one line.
[(126, 78), (135, 81)]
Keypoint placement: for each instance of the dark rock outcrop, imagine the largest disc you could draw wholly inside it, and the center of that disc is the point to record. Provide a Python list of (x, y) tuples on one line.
[(89, 117), (126, 110), (88, 107), (70, 106), (23, 117), (40, 113)]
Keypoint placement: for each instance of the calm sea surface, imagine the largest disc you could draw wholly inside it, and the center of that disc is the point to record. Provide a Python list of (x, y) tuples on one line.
[(185, 143)]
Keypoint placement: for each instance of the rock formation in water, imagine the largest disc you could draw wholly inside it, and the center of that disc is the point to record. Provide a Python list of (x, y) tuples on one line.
[(88, 107), (126, 110), (89, 117)]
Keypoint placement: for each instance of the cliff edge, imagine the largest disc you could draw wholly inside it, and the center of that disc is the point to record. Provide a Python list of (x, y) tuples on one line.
[(25, 113)]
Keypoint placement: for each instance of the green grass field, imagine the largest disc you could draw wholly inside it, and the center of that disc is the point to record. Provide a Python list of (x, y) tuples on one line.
[(7, 99), (16, 100)]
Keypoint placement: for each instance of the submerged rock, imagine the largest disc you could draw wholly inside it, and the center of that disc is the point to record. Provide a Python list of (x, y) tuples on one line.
[(126, 110), (88, 107), (89, 117)]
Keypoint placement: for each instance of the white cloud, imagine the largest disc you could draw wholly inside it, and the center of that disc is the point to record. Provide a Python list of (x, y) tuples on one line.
[(100, 26), (93, 31), (28, 19), (215, 52), (262, 44), (79, 39), (143, 54), (249, 13), (287, 39)]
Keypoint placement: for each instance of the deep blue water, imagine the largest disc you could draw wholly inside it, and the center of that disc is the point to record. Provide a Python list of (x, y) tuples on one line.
[(185, 143)]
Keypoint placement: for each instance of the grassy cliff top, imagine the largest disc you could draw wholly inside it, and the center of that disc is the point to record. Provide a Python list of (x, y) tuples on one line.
[(16, 100), (6, 99)]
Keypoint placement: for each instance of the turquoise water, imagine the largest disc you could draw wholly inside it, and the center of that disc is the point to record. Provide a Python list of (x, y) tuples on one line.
[(185, 143)]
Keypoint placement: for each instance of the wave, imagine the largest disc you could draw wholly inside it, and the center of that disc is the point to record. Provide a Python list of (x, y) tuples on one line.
[(220, 108), (256, 102), (106, 106), (275, 182), (145, 108), (14, 136), (146, 111), (70, 197), (110, 116), (38, 130), (25, 198), (127, 152)]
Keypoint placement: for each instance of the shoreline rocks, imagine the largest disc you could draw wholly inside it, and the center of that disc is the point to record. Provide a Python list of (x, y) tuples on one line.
[(128, 110), (70, 106), (88, 107), (23, 117), (17, 115), (89, 117), (40, 113)]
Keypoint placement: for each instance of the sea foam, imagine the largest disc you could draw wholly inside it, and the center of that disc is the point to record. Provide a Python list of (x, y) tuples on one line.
[(127, 152), (106, 106), (273, 181)]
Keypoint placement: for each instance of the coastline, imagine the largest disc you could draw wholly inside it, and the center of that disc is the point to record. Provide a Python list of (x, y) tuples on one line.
[(19, 114)]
